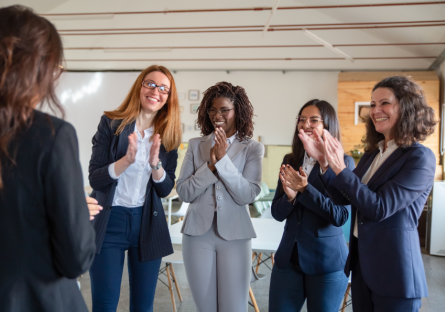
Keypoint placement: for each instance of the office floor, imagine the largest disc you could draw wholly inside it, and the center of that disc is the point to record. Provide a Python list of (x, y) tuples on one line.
[(434, 269)]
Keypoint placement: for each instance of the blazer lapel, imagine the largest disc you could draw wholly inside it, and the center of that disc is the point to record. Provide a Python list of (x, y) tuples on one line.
[(122, 144), (235, 148), (314, 175), (387, 165), (363, 166), (205, 146)]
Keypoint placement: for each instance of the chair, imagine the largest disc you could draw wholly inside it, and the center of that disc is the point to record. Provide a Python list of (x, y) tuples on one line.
[(176, 257), (180, 213), (256, 256), (253, 278), (347, 296), (258, 207)]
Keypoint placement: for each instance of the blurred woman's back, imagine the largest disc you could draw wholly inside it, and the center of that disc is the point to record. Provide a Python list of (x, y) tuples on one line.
[(46, 239)]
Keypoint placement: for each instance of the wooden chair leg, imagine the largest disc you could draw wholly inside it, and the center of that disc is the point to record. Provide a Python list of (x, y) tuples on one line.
[(272, 257), (167, 265), (258, 263), (181, 218), (253, 255), (176, 283), (252, 297), (345, 298)]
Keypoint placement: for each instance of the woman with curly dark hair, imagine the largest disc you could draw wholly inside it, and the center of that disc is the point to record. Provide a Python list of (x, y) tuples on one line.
[(220, 176), (387, 192)]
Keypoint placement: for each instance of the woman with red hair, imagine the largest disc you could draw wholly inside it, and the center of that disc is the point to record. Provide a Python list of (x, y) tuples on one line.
[(132, 167)]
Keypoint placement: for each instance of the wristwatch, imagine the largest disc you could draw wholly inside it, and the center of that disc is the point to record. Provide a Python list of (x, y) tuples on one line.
[(158, 165)]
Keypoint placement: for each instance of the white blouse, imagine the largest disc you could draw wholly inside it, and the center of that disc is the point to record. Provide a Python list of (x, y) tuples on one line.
[(376, 163), (132, 183)]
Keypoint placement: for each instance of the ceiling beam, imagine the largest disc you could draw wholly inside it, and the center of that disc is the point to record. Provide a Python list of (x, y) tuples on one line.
[(439, 60), (315, 7), (259, 46), (274, 8)]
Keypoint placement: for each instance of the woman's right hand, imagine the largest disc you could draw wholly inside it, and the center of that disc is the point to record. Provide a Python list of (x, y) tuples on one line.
[(213, 160), (314, 147), (132, 148), (287, 186), (93, 207)]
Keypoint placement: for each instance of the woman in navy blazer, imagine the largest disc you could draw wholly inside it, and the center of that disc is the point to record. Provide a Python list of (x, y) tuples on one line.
[(310, 259), (387, 191), (130, 170)]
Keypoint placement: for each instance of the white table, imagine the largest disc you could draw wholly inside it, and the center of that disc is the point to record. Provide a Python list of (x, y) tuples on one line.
[(268, 231)]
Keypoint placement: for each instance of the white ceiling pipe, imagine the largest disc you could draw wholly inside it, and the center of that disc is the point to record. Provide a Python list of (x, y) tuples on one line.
[(266, 27), (327, 44)]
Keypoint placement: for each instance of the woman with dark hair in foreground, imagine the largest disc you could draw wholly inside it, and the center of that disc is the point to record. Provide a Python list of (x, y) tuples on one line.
[(387, 192), (46, 237), (310, 259)]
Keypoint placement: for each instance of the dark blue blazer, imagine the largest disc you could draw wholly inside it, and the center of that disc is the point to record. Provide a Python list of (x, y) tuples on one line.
[(154, 241), (388, 208), (314, 221)]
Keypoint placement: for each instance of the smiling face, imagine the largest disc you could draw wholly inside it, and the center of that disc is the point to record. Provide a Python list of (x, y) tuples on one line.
[(152, 100), (227, 123), (385, 112), (311, 112)]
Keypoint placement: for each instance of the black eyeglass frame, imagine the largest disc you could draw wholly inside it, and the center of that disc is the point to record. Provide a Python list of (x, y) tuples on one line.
[(155, 86), (218, 111)]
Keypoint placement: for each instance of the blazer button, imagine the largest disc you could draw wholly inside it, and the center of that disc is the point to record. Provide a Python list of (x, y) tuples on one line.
[(109, 207), (361, 223), (218, 187), (155, 213), (219, 207), (219, 197)]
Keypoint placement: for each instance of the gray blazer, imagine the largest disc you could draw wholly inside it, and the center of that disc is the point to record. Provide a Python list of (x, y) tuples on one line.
[(237, 183)]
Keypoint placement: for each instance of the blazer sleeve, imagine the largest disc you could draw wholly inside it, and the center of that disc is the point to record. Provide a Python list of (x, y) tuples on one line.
[(415, 176), (165, 187), (99, 176), (245, 186), (281, 207), (314, 200), (72, 235), (191, 183)]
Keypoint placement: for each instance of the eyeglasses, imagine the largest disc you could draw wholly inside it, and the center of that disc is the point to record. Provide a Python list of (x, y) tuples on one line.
[(223, 111), (313, 121), (151, 85)]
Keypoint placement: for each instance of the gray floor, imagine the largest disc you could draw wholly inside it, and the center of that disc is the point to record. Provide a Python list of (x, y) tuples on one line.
[(434, 268)]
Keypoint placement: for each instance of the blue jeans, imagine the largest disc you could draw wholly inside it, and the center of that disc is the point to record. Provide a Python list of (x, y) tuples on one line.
[(122, 234), (290, 287)]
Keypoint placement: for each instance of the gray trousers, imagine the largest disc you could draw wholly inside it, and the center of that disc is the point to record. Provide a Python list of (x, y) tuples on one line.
[(218, 271)]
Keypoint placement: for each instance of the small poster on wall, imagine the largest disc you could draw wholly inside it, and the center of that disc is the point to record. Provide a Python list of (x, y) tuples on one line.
[(362, 110), (194, 108), (193, 95)]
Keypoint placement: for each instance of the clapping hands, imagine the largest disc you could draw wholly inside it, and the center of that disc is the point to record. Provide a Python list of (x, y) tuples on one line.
[(293, 181)]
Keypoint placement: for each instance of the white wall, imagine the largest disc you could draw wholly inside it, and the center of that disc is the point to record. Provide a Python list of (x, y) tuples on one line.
[(276, 98)]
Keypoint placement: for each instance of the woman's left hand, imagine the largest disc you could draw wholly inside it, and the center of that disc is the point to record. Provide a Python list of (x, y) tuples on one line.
[(220, 143), (154, 150), (297, 180), (93, 207), (334, 153)]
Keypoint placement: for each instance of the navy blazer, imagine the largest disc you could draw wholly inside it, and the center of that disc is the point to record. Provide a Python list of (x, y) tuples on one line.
[(314, 222), (154, 241), (388, 208)]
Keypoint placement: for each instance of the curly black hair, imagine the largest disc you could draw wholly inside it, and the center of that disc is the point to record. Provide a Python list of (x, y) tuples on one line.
[(417, 120), (243, 109)]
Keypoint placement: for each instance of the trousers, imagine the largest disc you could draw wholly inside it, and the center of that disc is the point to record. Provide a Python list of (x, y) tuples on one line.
[(218, 271), (122, 235)]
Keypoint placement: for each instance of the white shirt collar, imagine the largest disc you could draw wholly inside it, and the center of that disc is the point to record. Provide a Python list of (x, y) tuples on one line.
[(392, 146), (229, 140), (147, 132)]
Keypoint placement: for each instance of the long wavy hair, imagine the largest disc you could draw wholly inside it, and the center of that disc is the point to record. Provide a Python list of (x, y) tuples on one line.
[(417, 120), (167, 122), (330, 123), (243, 109), (31, 58)]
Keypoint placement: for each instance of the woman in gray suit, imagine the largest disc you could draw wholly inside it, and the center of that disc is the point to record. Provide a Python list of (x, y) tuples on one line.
[(220, 176)]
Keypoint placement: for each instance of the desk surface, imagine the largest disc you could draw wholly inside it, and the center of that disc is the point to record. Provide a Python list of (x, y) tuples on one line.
[(268, 231)]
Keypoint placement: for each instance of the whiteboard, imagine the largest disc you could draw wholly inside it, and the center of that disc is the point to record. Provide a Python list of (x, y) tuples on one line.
[(276, 98)]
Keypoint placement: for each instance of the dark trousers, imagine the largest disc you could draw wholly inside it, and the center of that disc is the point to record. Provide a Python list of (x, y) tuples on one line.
[(122, 234), (290, 287), (364, 300)]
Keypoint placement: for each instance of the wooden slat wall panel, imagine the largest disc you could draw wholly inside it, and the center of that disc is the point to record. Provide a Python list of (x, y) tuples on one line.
[(353, 87)]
